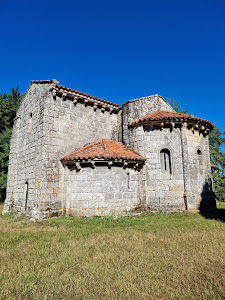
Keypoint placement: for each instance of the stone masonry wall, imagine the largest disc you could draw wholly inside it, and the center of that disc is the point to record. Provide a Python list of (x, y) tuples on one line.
[(100, 191), (164, 191), (137, 108), (200, 171), (26, 153), (45, 130), (69, 127)]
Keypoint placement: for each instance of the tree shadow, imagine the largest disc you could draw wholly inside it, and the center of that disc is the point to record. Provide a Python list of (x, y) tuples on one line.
[(208, 207), (217, 214)]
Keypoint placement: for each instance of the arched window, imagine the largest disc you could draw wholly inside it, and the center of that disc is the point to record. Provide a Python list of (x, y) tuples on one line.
[(165, 160)]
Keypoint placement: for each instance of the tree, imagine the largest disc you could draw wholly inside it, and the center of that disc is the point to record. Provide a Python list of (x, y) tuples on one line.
[(217, 155), (9, 104), (177, 107)]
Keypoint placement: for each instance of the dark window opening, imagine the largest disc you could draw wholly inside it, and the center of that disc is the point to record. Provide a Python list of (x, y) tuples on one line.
[(199, 152), (200, 161), (128, 180), (26, 194), (165, 160)]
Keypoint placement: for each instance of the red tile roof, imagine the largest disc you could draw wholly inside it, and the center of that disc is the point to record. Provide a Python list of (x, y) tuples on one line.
[(83, 94), (169, 115), (106, 149), (214, 166)]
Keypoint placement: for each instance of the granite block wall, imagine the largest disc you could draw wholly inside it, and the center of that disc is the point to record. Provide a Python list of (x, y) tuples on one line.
[(49, 125), (100, 190), (137, 108), (68, 128), (45, 129), (24, 185), (163, 191), (200, 170)]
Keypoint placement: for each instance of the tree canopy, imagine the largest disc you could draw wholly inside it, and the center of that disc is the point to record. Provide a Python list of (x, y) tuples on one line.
[(217, 156)]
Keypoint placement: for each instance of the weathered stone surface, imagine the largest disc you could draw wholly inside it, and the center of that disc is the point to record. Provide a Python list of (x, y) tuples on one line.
[(50, 125)]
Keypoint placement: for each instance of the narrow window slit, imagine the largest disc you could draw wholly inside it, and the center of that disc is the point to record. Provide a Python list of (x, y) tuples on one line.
[(165, 160), (26, 194), (128, 180)]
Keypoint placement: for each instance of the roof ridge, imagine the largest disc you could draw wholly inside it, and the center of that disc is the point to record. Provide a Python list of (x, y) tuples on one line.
[(105, 148), (142, 98)]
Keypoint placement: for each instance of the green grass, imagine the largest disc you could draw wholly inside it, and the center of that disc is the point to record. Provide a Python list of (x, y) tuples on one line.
[(158, 256), (220, 205)]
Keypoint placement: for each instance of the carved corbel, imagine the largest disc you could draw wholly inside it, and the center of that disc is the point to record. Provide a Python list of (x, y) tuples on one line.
[(78, 165), (196, 126), (172, 125), (85, 102), (95, 106), (64, 95), (110, 163), (206, 131), (136, 166), (125, 164), (202, 128), (54, 93), (161, 125), (103, 108), (75, 100)]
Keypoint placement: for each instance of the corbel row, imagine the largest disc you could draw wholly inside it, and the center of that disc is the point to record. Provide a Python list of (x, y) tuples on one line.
[(135, 164), (197, 127), (86, 100), (193, 127)]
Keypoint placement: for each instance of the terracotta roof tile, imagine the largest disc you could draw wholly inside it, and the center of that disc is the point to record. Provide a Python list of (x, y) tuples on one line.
[(214, 166), (106, 149), (169, 115), (83, 94)]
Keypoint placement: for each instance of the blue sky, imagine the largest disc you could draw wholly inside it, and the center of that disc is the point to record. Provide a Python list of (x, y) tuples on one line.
[(119, 50)]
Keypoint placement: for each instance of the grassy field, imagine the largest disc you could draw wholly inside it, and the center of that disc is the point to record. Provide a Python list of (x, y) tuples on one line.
[(157, 256)]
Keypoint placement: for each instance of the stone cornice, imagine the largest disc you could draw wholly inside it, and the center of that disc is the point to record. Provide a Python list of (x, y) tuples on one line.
[(124, 163), (190, 125), (76, 96)]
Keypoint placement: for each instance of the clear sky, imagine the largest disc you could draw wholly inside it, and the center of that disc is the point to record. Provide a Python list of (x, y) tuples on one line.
[(119, 50)]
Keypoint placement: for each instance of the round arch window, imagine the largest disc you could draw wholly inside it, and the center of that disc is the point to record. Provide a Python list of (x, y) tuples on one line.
[(165, 160)]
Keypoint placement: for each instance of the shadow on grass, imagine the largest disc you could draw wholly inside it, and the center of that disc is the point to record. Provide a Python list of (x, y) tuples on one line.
[(216, 214), (208, 207)]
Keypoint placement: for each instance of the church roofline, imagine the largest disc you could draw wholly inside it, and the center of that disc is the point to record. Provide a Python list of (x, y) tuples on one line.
[(170, 116), (143, 98), (44, 81), (56, 85), (60, 87), (106, 149)]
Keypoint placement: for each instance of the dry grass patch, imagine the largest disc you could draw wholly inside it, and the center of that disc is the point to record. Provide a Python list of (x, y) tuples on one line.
[(161, 256)]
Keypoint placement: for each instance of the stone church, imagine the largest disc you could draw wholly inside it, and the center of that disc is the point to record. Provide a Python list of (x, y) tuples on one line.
[(79, 155)]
